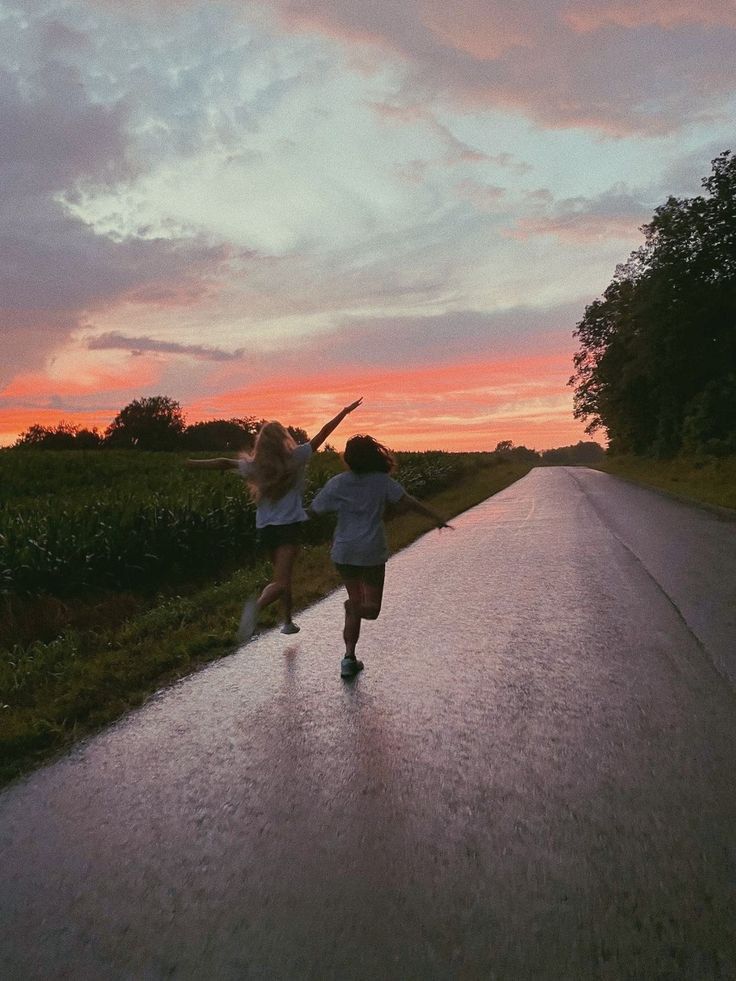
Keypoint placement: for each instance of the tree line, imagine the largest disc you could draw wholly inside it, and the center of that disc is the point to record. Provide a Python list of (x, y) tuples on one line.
[(153, 423), (656, 368), (585, 452), (158, 423)]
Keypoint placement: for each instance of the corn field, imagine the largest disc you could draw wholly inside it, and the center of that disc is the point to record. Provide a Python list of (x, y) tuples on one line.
[(75, 522)]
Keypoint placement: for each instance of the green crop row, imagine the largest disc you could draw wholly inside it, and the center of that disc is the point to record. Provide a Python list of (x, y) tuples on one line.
[(134, 521)]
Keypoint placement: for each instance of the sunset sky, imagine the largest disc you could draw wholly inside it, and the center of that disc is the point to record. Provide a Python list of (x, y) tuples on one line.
[(273, 208)]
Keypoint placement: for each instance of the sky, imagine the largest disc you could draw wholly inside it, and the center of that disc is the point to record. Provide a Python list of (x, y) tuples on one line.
[(272, 208)]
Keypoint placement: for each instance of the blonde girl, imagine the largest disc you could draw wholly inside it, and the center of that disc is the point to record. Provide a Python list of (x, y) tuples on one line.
[(275, 474)]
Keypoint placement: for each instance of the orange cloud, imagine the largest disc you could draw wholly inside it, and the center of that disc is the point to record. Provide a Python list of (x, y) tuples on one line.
[(13, 422), (455, 406), (89, 380)]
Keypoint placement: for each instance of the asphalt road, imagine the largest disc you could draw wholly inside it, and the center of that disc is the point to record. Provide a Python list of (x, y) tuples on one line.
[(534, 777)]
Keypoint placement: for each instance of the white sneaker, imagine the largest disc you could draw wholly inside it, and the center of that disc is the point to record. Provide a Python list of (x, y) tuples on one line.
[(247, 621), (290, 628)]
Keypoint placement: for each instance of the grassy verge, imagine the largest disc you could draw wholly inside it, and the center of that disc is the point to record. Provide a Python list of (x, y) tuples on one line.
[(707, 480), (57, 691)]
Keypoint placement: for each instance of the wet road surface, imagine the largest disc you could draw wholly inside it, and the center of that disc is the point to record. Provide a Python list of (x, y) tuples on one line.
[(534, 777)]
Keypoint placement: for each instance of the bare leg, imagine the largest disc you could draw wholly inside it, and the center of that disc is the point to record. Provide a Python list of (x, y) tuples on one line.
[(280, 588), (363, 603), (351, 630)]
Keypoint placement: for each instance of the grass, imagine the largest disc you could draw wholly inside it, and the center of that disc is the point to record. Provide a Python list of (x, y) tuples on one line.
[(703, 480), (55, 690)]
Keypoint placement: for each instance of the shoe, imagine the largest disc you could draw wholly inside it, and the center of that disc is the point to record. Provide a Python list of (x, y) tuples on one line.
[(350, 666), (247, 621), (290, 628)]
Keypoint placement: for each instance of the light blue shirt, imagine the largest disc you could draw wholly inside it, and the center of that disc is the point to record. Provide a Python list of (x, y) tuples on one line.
[(359, 500), (289, 508)]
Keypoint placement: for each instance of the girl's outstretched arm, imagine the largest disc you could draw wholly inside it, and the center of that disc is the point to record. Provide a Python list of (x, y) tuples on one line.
[(411, 502), (216, 463), (332, 425)]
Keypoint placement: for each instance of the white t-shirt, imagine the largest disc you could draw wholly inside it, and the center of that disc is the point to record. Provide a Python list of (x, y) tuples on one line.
[(289, 508), (360, 500)]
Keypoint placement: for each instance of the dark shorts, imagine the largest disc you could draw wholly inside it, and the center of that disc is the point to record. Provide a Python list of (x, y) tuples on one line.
[(271, 536), (371, 575)]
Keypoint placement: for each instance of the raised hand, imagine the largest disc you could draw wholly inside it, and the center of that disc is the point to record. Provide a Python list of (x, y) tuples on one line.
[(349, 408)]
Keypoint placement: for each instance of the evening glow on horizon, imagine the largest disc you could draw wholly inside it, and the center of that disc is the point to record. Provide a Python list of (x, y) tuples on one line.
[(271, 209)]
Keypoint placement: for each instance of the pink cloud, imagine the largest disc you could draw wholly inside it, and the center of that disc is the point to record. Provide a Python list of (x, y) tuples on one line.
[(587, 15), (578, 227), (595, 65), (484, 30), (614, 215), (484, 196)]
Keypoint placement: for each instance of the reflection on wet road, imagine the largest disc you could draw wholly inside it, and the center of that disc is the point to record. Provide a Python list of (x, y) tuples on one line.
[(532, 778)]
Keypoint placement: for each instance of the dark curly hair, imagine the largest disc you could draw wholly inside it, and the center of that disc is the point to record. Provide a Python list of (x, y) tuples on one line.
[(364, 454)]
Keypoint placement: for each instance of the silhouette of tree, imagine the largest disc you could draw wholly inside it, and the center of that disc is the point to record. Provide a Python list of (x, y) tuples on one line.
[(300, 435), (579, 453), (505, 450), (662, 335), (63, 436), (153, 423), (221, 434)]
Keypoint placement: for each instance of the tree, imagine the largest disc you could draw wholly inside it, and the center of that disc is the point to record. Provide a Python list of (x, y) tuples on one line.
[(221, 434), (584, 452), (662, 335), (298, 434), (63, 436), (505, 450), (153, 423), (708, 427)]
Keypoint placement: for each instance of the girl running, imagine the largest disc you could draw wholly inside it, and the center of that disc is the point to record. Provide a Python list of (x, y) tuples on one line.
[(359, 548), (275, 474)]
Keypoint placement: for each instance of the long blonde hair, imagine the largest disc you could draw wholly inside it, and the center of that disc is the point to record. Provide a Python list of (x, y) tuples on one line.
[(274, 469)]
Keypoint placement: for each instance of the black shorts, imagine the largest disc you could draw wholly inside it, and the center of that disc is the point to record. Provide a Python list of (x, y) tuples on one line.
[(371, 575), (271, 536)]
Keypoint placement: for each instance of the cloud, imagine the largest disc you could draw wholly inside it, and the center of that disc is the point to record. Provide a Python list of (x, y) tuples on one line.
[(114, 341), (589, 15), (457, 151), (683, 176), (465, 404), (196, 195), (456, 405), (55, 269), (604, 66), (484, 196), (432, 340), (618, 213)]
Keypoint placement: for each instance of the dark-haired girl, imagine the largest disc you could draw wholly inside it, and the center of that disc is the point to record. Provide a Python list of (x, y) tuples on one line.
[(359, 548)]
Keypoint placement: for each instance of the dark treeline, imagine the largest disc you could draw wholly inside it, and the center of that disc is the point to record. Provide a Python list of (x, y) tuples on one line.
[(582, 453), (154, 423), (656, 367), (157, 423)]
